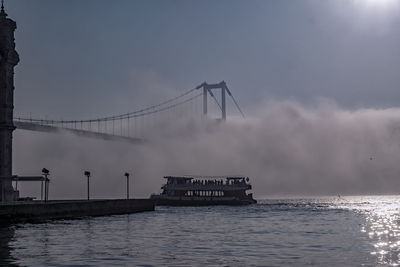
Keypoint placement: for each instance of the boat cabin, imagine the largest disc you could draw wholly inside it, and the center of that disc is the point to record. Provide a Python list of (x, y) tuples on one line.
[(200, 190), (206, 187)]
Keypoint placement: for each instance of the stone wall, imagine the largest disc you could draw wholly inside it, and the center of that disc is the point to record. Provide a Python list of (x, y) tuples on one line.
[(8, 60)]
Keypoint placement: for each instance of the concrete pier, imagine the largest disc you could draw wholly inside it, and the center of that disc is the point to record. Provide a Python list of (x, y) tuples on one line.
[(36, 211)]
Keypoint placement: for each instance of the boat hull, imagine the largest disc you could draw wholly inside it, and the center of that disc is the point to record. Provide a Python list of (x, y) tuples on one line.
[(165, 201)]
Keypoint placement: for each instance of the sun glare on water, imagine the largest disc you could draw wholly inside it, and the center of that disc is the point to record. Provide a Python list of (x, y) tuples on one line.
[(381, 226)]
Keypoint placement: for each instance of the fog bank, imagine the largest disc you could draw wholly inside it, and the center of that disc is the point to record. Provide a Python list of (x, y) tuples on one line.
[(285, 149)]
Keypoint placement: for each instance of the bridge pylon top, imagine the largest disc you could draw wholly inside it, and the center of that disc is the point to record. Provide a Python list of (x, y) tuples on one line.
[(224, 89)]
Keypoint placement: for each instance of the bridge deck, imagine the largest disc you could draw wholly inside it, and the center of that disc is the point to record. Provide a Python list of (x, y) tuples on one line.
[(84, 133)]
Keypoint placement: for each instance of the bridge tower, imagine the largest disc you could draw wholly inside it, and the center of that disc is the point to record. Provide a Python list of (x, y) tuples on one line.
[(207, 89), (8, 60)]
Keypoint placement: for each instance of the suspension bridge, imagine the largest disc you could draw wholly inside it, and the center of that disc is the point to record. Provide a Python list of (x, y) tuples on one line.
[(131, 126), (197, 103)]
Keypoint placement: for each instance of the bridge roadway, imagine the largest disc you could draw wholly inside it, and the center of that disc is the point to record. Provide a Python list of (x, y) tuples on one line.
[(84, 133)]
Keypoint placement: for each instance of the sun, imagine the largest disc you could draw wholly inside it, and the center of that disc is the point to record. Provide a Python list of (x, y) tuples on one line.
[(378, 4)]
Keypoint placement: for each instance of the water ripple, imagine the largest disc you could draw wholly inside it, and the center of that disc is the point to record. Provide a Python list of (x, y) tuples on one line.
[(338, 231)]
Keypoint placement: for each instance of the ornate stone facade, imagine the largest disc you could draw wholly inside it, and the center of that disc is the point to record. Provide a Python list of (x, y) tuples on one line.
[(8, 60)]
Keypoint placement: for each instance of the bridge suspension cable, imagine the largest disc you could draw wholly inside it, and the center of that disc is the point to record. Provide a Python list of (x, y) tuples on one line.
[(150, 107), (137, 113), (236, 103), (161, 109)]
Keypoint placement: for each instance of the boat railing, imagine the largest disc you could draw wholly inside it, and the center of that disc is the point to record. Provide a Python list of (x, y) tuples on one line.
[(223, 187)]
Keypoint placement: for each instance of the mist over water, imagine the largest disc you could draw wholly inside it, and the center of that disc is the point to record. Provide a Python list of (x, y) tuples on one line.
[(284, 147)]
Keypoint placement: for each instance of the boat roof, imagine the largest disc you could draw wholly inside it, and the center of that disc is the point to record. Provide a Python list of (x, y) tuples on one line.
[(235, 178), (178, 177)]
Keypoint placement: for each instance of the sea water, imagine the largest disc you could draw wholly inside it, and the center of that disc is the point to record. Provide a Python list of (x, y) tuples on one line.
[(326, 231)]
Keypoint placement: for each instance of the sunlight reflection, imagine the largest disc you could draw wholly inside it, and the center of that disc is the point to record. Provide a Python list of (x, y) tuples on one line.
[(382, 225)]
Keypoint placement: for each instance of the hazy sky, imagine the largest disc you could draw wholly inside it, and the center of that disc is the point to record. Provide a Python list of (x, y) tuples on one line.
[(96, 57), (92, 58)]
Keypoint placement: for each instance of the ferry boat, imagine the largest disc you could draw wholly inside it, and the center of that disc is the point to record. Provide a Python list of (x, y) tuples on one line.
[(201, 191)]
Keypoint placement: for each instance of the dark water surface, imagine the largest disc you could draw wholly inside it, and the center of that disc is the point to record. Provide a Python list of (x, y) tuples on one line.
[(339, 231)]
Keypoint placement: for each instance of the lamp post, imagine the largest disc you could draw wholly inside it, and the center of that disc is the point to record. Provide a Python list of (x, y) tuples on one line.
[(87, 174), (127, 185), (45, 173)]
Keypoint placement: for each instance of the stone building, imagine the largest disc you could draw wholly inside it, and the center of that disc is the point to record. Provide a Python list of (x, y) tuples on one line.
[(8, 60)]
